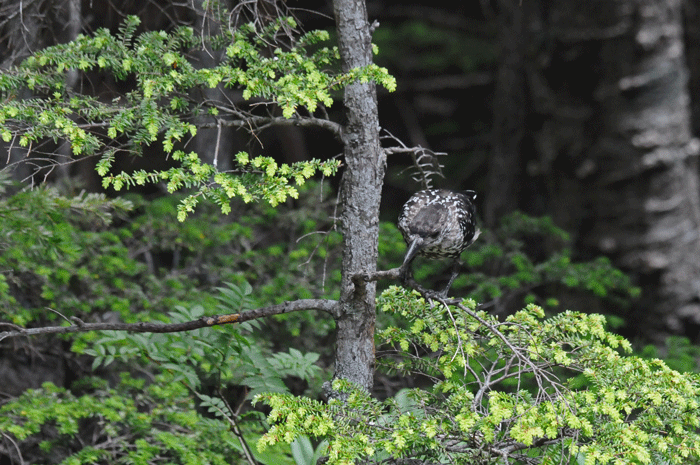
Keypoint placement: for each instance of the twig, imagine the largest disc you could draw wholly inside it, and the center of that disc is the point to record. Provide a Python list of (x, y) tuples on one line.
[(7, 437), (261, 122), (58, 313), (231, 417), (218, 142), (425, 161)]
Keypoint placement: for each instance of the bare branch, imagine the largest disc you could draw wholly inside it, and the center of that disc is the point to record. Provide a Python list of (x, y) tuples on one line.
[(361, 278), (328, 306), (231, 417), (9, 438), (425, 161), (261, 122)]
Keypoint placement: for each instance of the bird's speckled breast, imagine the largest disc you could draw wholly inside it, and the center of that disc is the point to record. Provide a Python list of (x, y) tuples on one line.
[(444, 219)]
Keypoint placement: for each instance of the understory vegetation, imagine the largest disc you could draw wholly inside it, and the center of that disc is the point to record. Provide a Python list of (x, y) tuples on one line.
[(454, 382), (520, 365)]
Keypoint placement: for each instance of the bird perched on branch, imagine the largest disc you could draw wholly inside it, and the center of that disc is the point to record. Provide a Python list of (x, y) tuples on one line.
[(437, 223)]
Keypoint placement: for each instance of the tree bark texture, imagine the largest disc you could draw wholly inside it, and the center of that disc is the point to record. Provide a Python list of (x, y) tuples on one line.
[(691, 26), (360, 196), (615, 149)]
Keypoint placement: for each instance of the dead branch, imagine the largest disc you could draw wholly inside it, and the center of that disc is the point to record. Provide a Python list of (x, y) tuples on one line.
[(426, 163), (262, 122), (78, 326)]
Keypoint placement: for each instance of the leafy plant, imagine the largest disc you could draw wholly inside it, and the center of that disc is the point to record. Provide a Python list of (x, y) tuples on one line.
[(46, 239), (227, 355), (198, 371), (521, 390), (678, 353), (159, 107), (161, 422), (133, 422)]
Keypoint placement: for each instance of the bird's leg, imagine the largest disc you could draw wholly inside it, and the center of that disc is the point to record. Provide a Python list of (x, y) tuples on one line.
[(406, 273), (454, 270)]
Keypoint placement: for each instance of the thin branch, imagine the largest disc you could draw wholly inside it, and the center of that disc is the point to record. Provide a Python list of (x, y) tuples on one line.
[(7, 437), (218, 142), (244, 120), (460, 347), (231, 417), (58, 313), (425, 161), (539, 373), (328, 306)]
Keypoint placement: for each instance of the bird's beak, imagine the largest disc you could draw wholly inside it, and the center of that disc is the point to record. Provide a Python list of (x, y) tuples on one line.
[(413, 249)]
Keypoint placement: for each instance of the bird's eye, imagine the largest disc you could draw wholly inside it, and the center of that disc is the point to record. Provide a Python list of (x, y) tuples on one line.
[(434, 235)]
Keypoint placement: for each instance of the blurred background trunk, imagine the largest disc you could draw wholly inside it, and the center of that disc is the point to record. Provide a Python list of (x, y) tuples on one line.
[(608, 142)]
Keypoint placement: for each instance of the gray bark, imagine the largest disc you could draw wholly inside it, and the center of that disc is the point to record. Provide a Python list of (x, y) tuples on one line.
[(617, 126), (648, 182), (691, 26), (360, 197)]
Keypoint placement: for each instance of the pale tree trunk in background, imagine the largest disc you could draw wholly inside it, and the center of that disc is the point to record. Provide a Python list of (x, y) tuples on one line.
[(71, 19), (22, 28), (215, 145), (614, 147), (25, 27), (691, 26), (360, 197)]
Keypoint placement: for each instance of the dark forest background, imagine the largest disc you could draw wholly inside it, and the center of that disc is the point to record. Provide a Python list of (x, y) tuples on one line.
[(584, 111), (584, 115)]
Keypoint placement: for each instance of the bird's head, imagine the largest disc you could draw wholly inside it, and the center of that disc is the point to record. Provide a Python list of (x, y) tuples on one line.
[(425, 231)]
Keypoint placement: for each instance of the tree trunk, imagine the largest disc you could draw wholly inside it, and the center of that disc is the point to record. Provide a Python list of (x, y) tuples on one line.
[(614, 100), (71, 17), (360, 197), (691, 26), (648, 161), (22, 27), (504, 170)]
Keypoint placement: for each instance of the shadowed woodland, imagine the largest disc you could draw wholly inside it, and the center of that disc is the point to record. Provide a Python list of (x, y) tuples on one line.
[(231, 235)]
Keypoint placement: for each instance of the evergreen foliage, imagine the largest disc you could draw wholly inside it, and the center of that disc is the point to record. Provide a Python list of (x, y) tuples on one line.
[(52, 245), (132, 423), (160, 105), (522, 390)]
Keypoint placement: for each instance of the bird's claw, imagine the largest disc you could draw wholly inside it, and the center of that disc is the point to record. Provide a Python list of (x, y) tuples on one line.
[(435, 295)]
